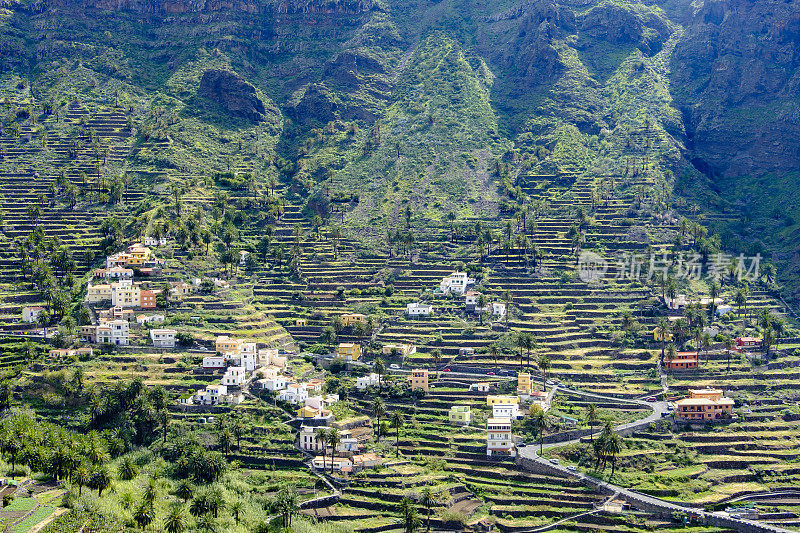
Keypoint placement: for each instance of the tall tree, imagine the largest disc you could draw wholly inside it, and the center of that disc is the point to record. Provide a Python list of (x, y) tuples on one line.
[(397, 424), (378, 409)]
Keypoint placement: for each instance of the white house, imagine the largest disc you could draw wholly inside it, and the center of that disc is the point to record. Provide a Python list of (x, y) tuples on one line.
[(505, 410), (150, 319), (348, 445), (186, 399), (243, 255), (234, 376), (339, 463), (119, 333), (294, 394), (471, 301), (249, 356), (214, 361), (211, 395), (482, 386), (679, 302), (308, 439), (322, 402), (118, 272), (456, 283), (270, 356), (152, 241), (498, 437), (419, 309), (31, 314), (370, 380), (163, 338), (274, 384), (498, 309)]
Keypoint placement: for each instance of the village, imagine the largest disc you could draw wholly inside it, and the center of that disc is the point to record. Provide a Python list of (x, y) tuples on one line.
[(243, 368)]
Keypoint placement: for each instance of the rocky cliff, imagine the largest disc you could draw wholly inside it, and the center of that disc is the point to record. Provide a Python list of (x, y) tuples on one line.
[(735, 74)]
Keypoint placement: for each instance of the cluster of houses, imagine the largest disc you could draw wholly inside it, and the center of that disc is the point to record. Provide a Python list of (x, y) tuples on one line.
[(691, 360), (136, 256), (505, 410), (457, 284), (238, 360)]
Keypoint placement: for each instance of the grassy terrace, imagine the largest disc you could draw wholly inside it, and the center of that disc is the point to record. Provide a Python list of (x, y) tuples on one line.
[(760, 451)]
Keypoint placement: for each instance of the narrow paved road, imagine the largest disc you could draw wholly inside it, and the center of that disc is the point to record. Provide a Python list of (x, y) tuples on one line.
[(638, 499)]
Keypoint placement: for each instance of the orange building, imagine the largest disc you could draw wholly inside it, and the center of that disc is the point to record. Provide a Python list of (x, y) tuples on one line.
[(704, 404), (682, 361), (147, 299), (419, 379)]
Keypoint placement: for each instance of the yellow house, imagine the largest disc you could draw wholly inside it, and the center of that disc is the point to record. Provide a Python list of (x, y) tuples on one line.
[(312, 412), (225, 344), (419, 379), (138, 254), (500, 399), (524, 384), (349, 319), (125, 294), (98, 293), (704, 404), (349, 351), (460, 415), (657, 335), (300, 322)]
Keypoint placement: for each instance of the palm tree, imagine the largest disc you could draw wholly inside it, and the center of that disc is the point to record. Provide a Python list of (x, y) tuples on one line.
[(508, 297), (544, 366), (705, 342), (427, 500), (779, 327), (483, 301), (379, 409), (380, 369), (225, 439), (740, 301), (592, 416), (767, 338), (185, 490), (287, 506), (521, 345), (144, 515), (698, 340), (671, 352), (81, 478), (713, 292), (236, 511), (529, 344), (322, 440), (662, 330), (176, 519), (729, 344), (612, 447), (397, 423), (538, 422), (409, 515), (334, 439), (494, 350)]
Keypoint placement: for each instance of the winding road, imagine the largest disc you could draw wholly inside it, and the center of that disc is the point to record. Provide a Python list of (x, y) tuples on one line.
[(637, 499)]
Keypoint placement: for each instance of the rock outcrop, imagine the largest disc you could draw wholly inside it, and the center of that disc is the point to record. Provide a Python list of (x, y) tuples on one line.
[(233, 94), (736, 75)]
